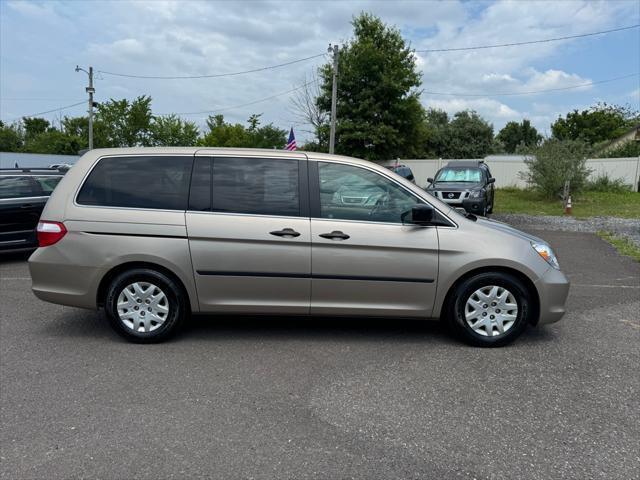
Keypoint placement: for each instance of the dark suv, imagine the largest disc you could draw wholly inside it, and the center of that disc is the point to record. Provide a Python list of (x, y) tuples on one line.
[(467, 184), (23, 194), (403, 171)]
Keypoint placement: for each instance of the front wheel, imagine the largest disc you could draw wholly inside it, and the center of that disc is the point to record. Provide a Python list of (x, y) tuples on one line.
[(145, 306), (490, 309)]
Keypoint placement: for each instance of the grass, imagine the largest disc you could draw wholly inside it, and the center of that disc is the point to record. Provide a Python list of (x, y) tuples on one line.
[(623, 245), (587, 204)]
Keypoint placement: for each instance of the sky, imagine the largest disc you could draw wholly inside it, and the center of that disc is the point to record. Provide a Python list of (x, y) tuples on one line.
[(41, 42)]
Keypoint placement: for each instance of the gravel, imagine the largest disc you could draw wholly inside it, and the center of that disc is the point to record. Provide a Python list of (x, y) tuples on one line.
[(623, 227)]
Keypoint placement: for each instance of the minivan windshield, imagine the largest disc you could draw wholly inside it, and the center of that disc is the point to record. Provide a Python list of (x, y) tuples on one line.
[(467, 175)]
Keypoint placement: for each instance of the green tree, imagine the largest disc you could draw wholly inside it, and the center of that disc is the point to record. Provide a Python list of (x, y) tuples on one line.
[(173, 131), (223, 134), (34, 126), (600, 123), (437, 132), (11, 137), (53, 141), (556, 161), (514, 135), (379, 115), (470, 136), (120, 123)]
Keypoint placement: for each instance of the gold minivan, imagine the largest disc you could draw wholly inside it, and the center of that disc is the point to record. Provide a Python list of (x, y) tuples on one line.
[(153, 235)]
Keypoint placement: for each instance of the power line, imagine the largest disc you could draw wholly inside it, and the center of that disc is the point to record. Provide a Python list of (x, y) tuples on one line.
[(292, 62), (49, 111), (546, 40), (217, 75), (503, 94), (233, 107)]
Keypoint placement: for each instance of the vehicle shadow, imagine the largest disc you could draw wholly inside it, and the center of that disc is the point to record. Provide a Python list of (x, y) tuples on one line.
[(76, 323)]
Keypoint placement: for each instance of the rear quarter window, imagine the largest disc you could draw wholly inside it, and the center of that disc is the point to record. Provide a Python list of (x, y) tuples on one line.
[(158, 182)]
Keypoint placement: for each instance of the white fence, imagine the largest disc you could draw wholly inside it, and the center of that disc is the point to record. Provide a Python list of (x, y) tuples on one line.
[(506, 169)]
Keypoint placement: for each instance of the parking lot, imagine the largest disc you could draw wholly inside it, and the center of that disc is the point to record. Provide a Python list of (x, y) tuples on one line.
[(326, 398)]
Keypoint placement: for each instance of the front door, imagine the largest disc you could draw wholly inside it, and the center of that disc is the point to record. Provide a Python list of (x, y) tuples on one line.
[(365, 261), (249, 234)]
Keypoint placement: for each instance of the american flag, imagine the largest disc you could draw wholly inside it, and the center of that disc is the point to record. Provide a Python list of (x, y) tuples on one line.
[(291, 144)]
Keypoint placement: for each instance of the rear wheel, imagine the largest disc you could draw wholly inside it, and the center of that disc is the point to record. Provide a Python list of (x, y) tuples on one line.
[(490, 309), (145, 306)]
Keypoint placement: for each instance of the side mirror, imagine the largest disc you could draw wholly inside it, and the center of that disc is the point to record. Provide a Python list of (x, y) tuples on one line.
[(491, 180), (430, 180), (421, 214)]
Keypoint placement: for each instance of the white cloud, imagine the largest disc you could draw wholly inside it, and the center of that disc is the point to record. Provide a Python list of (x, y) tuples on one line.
[(199, 38)]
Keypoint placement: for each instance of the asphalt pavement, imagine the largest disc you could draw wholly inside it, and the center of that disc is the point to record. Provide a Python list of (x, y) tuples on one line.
[(326, 398)]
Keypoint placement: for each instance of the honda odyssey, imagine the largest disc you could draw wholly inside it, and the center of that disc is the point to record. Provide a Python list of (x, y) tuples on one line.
[(152, 235)]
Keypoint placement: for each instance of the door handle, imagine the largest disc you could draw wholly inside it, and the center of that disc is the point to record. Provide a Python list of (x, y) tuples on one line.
[(27, 205), (335, 235), (285, 232)]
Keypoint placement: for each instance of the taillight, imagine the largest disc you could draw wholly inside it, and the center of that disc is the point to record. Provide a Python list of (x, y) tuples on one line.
[(50, 232)]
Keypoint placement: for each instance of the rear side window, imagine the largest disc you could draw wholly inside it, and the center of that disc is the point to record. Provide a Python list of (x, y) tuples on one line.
[(256, 186), (138, 182), (18, 187), (48, 183)]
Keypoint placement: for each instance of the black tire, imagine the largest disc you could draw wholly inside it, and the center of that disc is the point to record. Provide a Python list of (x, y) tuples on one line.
[(484, 210), (490, 209), (176, 301), (455, 311)]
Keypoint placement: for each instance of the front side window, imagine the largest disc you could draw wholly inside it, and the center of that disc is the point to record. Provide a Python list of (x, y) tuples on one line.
[(138, 182), (256, 186), (354, 193), (471, 175), (18, 187)]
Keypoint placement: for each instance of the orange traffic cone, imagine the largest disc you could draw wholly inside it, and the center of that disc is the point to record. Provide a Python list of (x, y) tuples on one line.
[(567, 207)]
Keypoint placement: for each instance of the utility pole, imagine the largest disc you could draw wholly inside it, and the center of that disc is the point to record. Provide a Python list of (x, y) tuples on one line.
[(334, 93), (90, 90)]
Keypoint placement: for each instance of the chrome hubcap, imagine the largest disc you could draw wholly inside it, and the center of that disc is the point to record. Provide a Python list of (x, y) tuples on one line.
[(142, 307), (491, 311)]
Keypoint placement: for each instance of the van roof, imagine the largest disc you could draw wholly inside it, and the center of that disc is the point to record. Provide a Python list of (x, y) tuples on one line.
[(98, 152)]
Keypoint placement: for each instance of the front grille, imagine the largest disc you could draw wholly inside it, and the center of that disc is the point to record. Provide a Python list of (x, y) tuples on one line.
[(451, 195)]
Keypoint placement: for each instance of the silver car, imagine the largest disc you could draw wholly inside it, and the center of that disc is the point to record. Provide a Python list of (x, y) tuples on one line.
[(153, 235)]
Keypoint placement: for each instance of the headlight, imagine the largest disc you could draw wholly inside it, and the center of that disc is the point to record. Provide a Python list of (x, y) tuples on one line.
[(476, 194), (545, 252)]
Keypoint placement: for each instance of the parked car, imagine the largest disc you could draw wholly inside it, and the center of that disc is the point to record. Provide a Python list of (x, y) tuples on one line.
[(466, 184), (154, 234), (403, 171), (23, 194)]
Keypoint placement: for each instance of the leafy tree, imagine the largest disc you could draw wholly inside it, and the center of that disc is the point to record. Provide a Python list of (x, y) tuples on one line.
[(54, 141), (34, 126), (600, 123), (514, 135), (467, 135), (223, 134), (556, 161), (173, 131), (120, 123), (11, 137), (437, 131), (470, 136), (379, 115)]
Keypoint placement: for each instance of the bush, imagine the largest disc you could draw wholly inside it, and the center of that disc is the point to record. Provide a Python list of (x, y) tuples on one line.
[(602, 183), (555, 162)]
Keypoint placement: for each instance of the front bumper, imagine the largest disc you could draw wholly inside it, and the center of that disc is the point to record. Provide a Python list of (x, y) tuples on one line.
[(553, 289)]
